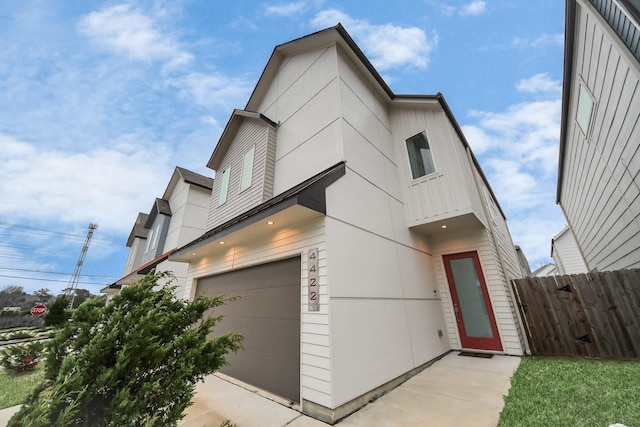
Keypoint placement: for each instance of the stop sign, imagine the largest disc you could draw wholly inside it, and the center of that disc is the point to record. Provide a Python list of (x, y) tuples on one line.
[(38, 309)]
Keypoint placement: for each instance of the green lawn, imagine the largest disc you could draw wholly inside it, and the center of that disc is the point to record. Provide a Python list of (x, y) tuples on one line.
[(573, 392), (15, 388)]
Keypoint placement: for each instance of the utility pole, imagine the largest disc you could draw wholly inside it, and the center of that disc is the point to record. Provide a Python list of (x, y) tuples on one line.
[(73, 283)]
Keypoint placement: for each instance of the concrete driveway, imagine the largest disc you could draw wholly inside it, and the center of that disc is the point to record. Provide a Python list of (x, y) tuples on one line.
[(454, 391)]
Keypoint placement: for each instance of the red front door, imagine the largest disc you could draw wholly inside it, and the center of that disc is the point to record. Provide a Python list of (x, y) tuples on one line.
[(471, 304)]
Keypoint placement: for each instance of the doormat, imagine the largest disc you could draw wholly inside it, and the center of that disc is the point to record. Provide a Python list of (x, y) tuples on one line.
[(472, 354)]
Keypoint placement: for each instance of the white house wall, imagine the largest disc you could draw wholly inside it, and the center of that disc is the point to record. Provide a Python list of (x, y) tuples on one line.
[(136, 251), (304, 100), (448, 192), (566, 254), (601, 191), (294, 240)]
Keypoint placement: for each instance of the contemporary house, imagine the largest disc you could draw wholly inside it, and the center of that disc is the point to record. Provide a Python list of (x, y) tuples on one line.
[(358, 228), (566, 253), (174, 220), (598, 178)]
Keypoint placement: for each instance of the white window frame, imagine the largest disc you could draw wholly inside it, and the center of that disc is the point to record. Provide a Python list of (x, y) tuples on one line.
[(430, 149), (584, 95), (247, 169), (152, 240), (224, 186)]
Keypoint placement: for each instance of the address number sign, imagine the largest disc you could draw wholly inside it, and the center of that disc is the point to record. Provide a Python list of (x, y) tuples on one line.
[(313, 285)]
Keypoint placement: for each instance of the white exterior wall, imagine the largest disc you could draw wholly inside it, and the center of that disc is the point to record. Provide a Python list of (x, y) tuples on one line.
[(381, 279), (134, 259), (304, 99), (566, 254), (189, 212), (294, 240), (448, 192), (601, 186)]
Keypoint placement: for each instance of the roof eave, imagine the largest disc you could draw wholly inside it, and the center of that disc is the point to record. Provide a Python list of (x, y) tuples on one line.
[(567, 81)]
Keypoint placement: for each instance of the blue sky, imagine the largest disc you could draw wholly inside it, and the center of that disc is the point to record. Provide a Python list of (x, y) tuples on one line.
[(100, 100)]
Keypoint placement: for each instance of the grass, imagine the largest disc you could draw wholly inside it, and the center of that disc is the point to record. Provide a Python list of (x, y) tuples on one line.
[(573, 392), (15, 388)]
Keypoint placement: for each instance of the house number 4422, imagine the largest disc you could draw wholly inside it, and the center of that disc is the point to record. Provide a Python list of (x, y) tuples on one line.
[(312, 285)]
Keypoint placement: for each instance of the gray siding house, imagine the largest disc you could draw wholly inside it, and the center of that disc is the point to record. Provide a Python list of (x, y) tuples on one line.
[(358, 228), (599, 167)]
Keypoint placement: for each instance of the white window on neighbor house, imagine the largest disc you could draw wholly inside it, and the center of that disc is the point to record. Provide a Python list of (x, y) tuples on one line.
[(247, 169), (152, 239), (420, 156), (224, 186), (584, 112)]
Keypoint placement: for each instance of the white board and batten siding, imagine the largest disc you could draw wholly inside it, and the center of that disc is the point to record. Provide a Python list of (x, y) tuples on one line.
[(260, 136), (448, 192), (601, 187), (296, 240)]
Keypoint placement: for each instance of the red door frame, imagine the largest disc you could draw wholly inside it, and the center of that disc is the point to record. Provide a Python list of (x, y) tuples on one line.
[(472, 342)]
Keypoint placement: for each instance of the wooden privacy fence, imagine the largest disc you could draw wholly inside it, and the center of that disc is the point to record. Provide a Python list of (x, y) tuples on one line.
[(592, 315)]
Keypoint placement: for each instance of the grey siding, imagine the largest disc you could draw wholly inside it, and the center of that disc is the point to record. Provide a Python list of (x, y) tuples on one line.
[(601, 192), (262, 137)]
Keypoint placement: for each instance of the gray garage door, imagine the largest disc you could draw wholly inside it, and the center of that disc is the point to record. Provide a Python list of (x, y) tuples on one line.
[(268, 315)]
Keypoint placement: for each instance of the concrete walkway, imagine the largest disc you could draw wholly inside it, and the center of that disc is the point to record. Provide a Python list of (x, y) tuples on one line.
[(455, 391)]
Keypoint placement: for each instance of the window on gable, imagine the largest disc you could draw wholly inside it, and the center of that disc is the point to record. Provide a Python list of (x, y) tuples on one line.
[(152, 239), (247, 169), (224, 186), (585, 108), (420, 156)]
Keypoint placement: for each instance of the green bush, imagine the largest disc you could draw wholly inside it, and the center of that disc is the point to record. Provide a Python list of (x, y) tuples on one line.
[(24, 357), (133, 362)]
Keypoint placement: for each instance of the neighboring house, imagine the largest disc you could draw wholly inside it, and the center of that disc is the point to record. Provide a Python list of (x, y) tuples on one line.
[(598, 178), (525, 269), (358, 228), (566, 254), (174, 220), (545, 270)]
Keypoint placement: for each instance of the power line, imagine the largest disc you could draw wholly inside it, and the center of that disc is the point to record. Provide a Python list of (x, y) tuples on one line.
[(44, 280), (34, 230), (54, 272)]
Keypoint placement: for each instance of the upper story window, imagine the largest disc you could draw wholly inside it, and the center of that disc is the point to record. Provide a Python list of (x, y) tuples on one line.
[(585, 108), (152, 240), (224, 186), (247, 169), (420, 156)]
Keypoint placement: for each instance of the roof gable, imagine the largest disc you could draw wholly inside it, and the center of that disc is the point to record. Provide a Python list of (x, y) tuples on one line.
[(230, 130)]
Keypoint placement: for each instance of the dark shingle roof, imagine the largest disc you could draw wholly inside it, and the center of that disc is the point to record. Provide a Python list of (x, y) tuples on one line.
[(138, 229), (195, 178)]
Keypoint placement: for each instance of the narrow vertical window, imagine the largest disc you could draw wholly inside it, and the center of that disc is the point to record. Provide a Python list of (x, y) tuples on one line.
[(585, 108), (224, 186), (247, 169), (420, 157)]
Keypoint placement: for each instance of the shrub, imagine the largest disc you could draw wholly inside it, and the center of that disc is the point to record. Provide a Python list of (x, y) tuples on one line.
[(132, 362), (23, 357)]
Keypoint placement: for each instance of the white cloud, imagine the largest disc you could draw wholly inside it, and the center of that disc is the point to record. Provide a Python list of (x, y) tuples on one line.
[(388, 46), (518, 148), (540, 83), (475, 8), (287, 9), (129, 32), (542, 41), (213, 90), (102, 185)]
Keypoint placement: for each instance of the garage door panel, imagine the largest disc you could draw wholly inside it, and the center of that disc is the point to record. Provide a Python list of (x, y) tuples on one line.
[(277, 302), (258, 369), (268, 316)]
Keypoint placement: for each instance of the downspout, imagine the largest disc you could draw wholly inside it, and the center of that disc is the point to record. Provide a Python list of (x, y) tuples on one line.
[(492, 230)]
